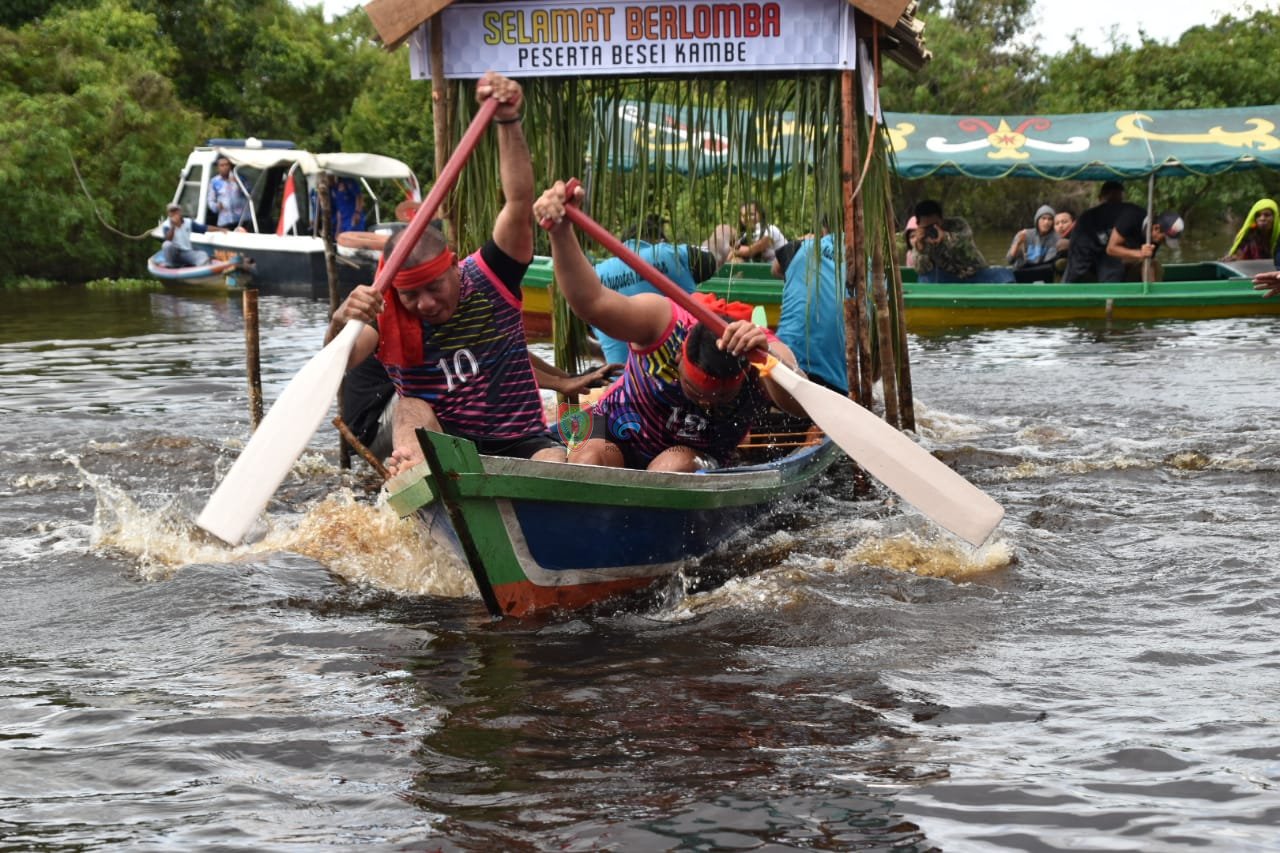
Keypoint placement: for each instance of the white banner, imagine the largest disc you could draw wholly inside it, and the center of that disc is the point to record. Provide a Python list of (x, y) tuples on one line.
[(546, 38)]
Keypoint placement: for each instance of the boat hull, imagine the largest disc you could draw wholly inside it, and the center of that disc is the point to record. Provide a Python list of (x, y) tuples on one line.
[(289, 266), (938, 307), (219, 272), (1189, 292), (541, 535)]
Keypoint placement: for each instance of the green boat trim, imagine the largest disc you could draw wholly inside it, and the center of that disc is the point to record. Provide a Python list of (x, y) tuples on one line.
[(538, 535)]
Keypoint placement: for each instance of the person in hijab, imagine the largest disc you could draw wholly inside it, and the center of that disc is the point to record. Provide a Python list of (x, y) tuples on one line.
[(1258, 237)]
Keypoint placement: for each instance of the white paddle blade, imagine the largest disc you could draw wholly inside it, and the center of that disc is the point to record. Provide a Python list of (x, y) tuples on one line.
[(905, 467), (278, 441)]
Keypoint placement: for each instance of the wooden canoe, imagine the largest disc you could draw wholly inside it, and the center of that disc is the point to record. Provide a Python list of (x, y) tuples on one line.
[(218, 272), (542, 535)]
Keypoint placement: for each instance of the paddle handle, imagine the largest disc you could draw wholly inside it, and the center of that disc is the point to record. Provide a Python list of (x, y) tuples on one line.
[(444, 183)]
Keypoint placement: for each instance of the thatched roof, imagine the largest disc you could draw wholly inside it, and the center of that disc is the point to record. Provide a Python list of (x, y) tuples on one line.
[(902, 39)]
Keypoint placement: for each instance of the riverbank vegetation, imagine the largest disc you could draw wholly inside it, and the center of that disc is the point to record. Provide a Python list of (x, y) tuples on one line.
[(101, 100)]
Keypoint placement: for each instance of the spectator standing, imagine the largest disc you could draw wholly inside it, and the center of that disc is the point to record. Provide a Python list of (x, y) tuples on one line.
[(226, 197)]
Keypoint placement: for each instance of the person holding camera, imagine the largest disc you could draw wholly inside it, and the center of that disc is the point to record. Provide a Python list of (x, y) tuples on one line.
[(945, 250)]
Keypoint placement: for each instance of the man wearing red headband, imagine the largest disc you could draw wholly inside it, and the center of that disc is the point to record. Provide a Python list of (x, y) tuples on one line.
[(451, 334), (686, 398)]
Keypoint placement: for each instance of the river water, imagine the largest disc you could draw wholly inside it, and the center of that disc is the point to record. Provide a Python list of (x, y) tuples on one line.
[(1102, 676)]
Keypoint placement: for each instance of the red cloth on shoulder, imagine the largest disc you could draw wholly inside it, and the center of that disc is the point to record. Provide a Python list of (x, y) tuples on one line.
[(399, 333)]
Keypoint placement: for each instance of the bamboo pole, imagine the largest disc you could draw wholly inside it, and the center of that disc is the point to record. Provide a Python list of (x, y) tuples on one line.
[(252, 356), (906, 397), (1151, 202), (884, 334), (365, 453)]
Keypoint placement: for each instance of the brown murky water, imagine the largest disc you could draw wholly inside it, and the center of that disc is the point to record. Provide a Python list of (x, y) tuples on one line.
[(1101, 677)]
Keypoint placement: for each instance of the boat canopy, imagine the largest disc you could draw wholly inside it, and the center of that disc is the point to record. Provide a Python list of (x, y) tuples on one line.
[(372, 166), (345, 164), (1086, 146)]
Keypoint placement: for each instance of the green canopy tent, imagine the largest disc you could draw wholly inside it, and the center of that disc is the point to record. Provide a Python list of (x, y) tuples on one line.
[(1086, 146)]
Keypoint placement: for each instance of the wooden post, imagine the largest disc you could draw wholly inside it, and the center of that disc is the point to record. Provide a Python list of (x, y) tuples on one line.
[(324, 206), (252, 358), (857, 326), (846, 196)]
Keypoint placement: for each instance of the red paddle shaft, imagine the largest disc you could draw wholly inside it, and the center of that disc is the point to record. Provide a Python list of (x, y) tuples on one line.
[(652, 274), (444, 183)]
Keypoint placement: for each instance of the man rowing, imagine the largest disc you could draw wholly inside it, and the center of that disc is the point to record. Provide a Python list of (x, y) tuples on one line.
[(686, 397), (451, 336)]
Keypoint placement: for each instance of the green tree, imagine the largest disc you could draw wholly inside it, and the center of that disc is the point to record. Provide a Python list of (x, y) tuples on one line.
[(392, 113), (89, 87), (265, 68), (15, 13)]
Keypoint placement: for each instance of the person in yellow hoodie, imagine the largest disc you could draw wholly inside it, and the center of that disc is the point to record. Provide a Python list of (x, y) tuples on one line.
[(1258, 237)]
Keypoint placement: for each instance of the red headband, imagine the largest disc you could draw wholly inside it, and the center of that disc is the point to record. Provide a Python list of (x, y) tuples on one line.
[(703, 380), (422, 274)]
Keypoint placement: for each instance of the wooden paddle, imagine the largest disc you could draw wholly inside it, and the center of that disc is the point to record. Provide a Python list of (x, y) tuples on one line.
[(905, 467), (287, 429)]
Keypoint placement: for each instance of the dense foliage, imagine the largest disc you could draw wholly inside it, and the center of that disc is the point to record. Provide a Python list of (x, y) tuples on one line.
[(122, 89)]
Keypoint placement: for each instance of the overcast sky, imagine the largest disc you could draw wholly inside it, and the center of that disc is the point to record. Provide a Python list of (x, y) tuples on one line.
[(1057, 19)]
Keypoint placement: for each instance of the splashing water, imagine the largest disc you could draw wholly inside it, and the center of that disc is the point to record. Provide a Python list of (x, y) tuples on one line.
[(360, 542), (936, 559)]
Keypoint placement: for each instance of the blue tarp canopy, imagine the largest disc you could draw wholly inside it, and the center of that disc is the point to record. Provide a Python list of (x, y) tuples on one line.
[(1086, 146)]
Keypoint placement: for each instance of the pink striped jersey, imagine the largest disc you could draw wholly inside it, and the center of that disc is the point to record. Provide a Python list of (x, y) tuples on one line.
[(475, 371), (647, 410)]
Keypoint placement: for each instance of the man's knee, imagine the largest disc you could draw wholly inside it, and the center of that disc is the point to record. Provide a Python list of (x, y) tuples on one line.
[(597, 451), (549, 454), (678, 459), (414, 412)]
